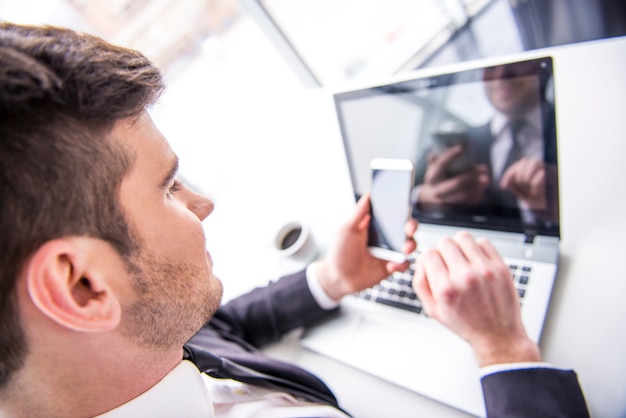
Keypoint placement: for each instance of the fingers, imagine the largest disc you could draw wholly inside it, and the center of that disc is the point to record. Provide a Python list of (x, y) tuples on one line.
[(455, 266), (437, 164), (409, 246), (411, 227), (448, 189), (513, 176), (506, 181), (530, 173), (421, 283), (537, 181), (483, 175), (452, 255), (524, 175), (488, 249), (449, 154), (361, 216), (491, 254), (482, 260), (465, 188), (470, 248), (393, 267)]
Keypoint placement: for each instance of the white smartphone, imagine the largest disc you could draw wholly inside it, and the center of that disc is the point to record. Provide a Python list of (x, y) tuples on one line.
[(390, 198)]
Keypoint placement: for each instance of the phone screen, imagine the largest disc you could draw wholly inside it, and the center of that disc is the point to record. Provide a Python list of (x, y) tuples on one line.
[(390, 208)]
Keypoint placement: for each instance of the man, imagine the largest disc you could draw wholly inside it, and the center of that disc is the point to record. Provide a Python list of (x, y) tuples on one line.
[(515, 169), (106, 286)]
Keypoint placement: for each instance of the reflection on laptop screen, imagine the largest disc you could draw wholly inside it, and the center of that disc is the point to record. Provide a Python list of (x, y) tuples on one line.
[(483, 142)]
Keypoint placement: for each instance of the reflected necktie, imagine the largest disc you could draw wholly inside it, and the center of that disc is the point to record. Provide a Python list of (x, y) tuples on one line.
[(515, 153)]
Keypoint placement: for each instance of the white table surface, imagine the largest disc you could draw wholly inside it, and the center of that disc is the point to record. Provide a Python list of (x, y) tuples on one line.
[(269, 154)]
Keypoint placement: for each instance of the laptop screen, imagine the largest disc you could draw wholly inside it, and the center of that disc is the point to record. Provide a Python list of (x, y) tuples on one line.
[(483, 142)]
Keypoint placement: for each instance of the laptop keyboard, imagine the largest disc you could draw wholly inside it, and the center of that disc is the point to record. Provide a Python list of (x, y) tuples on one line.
[(396, 290)]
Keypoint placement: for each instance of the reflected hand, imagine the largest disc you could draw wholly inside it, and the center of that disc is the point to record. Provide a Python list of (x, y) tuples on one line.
[(526, 179), (466, 188), (465, 284), (349, 267)]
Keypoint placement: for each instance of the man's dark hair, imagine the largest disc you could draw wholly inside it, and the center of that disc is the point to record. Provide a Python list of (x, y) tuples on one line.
[(61, 93)]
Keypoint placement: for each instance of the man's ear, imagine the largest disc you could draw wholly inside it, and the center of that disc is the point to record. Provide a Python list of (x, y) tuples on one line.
[(67, 288)]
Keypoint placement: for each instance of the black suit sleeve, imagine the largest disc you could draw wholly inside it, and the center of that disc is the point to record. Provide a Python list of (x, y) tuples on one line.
[(538, 392), (265, 314)]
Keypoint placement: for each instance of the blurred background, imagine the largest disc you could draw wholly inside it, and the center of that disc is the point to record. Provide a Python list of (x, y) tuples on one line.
[(338, 40)]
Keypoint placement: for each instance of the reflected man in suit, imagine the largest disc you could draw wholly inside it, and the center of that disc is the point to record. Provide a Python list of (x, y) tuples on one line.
[(514, 155)]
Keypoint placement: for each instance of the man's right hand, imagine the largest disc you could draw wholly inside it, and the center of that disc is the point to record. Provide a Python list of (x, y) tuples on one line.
[(349, 267), (465, 284), (465, 188)]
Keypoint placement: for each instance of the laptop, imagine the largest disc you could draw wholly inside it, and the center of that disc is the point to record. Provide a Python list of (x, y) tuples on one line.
[(404, 119)]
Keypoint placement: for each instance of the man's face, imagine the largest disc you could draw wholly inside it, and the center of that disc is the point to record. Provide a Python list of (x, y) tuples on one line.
[(515, 95), (174, 289)]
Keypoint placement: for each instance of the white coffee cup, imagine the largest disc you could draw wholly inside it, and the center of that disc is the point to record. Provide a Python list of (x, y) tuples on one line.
[(295, 247)]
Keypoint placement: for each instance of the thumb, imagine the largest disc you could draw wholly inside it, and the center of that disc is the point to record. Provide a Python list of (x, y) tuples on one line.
[(361, 216)]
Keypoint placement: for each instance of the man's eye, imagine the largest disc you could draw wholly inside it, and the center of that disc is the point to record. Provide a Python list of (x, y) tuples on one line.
[(176, 186)]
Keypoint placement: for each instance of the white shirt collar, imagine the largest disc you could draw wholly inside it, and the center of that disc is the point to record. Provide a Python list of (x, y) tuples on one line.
[(500, 121), (181, 393)]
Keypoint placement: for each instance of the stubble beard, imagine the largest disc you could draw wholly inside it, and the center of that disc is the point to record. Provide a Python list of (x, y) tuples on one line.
[(174, 300)]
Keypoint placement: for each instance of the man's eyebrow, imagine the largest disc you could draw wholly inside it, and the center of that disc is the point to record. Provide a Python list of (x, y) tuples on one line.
[(170, 174)]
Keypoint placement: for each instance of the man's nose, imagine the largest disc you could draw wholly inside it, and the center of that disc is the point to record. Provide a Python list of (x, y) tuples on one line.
[(201, 205)]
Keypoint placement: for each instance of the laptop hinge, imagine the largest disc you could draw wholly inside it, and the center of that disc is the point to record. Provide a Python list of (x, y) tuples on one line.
[(529, 238)]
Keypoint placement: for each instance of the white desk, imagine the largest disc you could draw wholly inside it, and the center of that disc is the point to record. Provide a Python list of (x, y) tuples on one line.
[(278, 157)]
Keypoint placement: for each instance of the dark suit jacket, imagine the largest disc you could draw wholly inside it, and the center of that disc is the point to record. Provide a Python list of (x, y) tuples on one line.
[(245, 324)]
